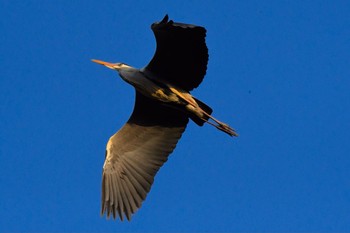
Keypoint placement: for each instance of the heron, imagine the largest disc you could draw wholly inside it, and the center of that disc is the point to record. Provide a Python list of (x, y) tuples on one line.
[(162, 109)]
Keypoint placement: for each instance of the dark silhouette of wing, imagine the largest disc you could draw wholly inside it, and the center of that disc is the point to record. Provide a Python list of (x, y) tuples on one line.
[(181, 56), (136, 152)]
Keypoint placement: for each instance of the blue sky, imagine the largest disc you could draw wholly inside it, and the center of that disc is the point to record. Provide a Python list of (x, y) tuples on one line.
[(278, 72)]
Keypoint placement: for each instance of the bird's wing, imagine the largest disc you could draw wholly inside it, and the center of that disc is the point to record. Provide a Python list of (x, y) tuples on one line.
[(136, 152), (181, 56)]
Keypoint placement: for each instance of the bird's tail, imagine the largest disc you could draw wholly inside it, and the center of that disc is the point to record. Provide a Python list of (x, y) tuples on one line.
[(208, 118)]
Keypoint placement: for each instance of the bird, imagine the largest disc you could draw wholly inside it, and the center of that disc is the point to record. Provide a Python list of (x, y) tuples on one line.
[(162, 109)]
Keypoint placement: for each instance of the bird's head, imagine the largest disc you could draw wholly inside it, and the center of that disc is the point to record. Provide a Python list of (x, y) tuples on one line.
[(113, 66)]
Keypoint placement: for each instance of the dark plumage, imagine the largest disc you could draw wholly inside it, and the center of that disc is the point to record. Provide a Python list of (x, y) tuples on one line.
[(180, 47), (162, 110)]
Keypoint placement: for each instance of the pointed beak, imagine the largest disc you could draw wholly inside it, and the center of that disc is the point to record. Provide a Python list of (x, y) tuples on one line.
[(107, 64)]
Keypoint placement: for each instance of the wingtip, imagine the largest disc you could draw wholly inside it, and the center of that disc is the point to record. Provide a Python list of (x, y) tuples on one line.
[(161, 23), (165, 19)]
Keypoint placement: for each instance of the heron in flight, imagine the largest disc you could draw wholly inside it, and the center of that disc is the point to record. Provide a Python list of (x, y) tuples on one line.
[(163, 107)]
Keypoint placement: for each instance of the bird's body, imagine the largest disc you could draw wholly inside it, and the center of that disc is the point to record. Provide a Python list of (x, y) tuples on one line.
[(146, 86), (162, 109)]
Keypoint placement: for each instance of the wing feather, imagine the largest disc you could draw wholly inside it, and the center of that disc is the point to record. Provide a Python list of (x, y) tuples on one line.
[(132, 194), (181, 55), (135, 154), (137, 182)]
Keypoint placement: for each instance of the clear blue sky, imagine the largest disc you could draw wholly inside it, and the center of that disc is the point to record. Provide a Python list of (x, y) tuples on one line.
[(279, 72)]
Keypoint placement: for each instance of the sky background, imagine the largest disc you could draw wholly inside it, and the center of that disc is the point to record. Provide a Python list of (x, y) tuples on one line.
[(278, 72)]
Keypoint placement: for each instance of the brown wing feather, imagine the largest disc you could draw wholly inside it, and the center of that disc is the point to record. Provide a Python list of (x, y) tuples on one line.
[(135, 154)]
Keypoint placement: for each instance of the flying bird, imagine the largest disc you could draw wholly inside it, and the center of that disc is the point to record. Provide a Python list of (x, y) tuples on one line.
[(163, 107)]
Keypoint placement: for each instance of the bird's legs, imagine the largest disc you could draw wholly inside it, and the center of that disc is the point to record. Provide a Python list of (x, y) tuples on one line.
[(193, 106), (220, 125)]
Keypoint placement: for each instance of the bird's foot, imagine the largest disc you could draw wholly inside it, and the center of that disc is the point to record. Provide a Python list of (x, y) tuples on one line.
[(224, 128)]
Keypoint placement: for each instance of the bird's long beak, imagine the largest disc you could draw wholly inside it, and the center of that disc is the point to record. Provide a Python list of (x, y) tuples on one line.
[(107, 64)]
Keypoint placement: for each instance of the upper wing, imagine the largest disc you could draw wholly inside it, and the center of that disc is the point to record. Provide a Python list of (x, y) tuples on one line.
[(136, 152), (181, 56)]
